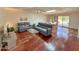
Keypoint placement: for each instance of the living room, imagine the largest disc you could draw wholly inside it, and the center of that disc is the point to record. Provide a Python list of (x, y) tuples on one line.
[(39, 28)]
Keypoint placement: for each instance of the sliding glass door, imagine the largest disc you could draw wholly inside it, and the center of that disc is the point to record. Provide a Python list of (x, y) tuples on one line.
[(63, 21), (63, 31)]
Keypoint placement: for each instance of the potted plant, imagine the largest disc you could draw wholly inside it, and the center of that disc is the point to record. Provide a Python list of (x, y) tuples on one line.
[(11, 29)]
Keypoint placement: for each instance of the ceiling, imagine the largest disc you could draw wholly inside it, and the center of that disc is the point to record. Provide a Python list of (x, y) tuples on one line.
[(43, 10)]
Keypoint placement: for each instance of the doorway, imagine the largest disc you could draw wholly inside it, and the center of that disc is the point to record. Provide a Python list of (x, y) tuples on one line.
[(63, 24), (63, 21)]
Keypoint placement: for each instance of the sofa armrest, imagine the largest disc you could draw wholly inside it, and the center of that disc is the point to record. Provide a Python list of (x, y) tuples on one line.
[(49, 31)]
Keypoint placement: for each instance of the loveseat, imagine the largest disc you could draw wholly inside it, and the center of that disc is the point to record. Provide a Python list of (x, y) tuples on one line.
[(44, 28), (23, 26)]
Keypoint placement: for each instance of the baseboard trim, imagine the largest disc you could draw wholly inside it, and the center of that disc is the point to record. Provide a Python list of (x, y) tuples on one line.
[(70, 28)]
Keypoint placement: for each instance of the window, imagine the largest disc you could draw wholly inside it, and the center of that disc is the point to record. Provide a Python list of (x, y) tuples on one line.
[(63, 21)]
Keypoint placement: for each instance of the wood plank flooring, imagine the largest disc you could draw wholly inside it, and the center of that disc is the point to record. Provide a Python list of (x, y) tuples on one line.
[(61, 39), (29, 42)]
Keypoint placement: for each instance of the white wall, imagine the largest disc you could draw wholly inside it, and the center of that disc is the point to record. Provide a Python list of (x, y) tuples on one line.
[(35, 18), (12, 17), (74, 21)]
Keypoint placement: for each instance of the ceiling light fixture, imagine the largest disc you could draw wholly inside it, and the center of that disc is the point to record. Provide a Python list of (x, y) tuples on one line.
[(51, 11)]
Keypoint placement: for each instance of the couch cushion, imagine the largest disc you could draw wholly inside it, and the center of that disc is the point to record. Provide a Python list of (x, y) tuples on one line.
[(43, 29), (45, 25)]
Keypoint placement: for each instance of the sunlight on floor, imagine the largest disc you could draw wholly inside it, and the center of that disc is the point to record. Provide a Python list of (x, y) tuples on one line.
[(62, 32), (50, 46)]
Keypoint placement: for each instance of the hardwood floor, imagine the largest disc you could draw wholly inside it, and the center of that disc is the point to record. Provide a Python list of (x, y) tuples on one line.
[(29, 42), (65, 39), (61, 39)]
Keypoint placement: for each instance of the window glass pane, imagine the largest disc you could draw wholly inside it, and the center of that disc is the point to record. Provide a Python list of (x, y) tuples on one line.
[(60, 20), (63, 21)]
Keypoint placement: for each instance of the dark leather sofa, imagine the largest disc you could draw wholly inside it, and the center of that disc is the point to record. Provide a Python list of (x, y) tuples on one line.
[(44, 28)]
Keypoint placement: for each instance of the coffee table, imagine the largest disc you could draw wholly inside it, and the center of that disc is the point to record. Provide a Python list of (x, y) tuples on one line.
[(33, 31)]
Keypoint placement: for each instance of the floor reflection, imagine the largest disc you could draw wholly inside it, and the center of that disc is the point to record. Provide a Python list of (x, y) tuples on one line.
[(62, 32), (50, 46)]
